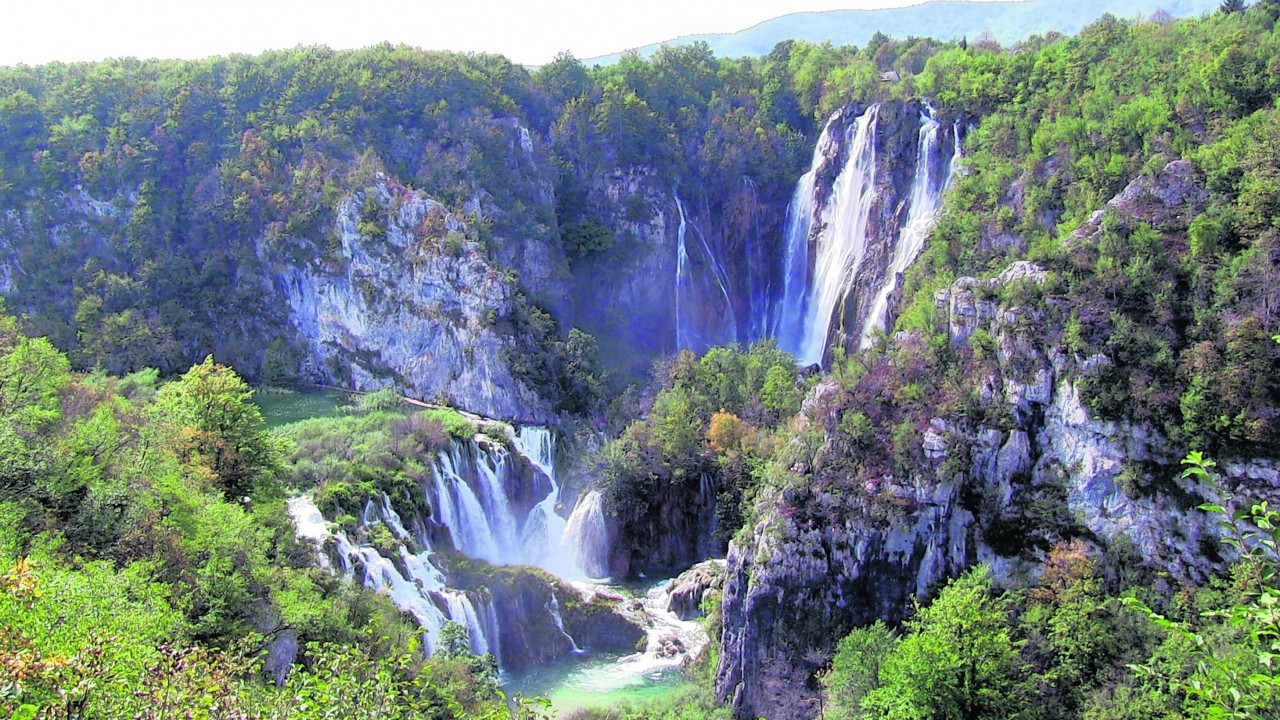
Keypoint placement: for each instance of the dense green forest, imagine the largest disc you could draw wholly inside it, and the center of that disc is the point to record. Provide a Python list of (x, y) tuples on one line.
[(149, 565)]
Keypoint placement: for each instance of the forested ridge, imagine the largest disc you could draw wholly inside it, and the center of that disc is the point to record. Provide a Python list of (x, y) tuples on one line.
[(1128, 175)]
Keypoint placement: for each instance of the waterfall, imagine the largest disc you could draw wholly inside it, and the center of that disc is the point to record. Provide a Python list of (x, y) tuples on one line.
[(687, 295), (925, 203), (842, 242), (460, 510), (463, 612), (392, 519), (467, 494), (491, 467), (419, 589), (787, 325), (491, 630), (586, 537), (829, 234), (544, 526), (553, 607), (682, 280), (412, 594)]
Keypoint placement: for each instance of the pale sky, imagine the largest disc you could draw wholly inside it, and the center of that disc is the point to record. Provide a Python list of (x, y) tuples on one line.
[(531, 32)]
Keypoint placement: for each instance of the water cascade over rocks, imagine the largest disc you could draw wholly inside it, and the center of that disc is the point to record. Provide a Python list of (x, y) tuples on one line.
[(412, 582), (841, 240), (927, 189), (490, 506)]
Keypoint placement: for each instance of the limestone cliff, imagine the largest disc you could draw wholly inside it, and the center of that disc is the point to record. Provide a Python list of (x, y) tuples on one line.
[(409, 300)]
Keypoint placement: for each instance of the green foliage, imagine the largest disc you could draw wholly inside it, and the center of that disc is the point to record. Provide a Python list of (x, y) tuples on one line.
[(585, 238), (1236, 678), (216, 426), (957, 660), (855, 670)]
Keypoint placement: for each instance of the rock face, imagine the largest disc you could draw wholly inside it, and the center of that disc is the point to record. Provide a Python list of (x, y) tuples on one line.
[(674, 530), (693, 587), (410, 302), (636, 296), (817, 564)]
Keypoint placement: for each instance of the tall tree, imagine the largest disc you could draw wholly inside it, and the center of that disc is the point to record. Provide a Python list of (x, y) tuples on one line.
[(218, 427)]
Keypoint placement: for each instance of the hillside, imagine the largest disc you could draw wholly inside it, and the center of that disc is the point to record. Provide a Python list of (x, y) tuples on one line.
[(1006, 22)]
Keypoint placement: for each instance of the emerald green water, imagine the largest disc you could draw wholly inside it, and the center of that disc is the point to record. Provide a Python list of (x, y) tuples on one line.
[(574, 683), (281, 408), (605, 680)]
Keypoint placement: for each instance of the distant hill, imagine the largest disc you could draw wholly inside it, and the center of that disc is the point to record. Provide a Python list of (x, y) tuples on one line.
[(947, 20)]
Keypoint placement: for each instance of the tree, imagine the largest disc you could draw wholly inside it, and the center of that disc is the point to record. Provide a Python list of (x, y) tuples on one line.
[(855, 670), (218, 427), (1231, 6), (725, 432), (957, 662)]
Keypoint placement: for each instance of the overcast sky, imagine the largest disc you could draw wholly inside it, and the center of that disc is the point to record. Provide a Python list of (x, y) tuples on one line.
[(530, 32)]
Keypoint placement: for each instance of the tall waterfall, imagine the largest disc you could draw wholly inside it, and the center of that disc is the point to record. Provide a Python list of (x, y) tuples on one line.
[(695, 290), (683, 284), (840, 268), (925, 204), (787, 325), (842, 242)]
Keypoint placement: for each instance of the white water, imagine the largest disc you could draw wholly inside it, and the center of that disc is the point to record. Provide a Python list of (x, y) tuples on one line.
[(553, 607), (460, 510), (586, 537), (787, 325), (468, 494), (925, 206), (574, 549), (835, 234), (682, 280), (420, 590), (842, 244), (544, 526), (591, 682)]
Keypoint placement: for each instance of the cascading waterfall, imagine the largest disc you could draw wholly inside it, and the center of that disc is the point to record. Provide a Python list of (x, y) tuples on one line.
[(418, 590), (544, 527), (842, 244), (491, 630), (925, 205), (830, 236), (586, 537), (687, 335), (460, 510)]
